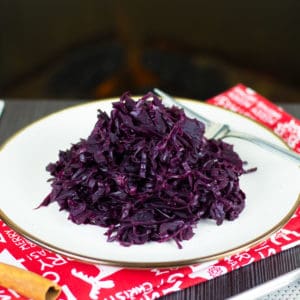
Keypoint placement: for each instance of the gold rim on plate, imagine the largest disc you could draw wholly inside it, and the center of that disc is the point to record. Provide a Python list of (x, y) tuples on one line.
[(145, 264)]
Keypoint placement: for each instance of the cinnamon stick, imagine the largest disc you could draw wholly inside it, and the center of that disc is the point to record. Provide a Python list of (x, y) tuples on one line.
[(28, 284)]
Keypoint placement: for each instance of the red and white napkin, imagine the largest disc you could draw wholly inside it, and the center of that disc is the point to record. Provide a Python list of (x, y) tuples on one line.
[(85, 281)]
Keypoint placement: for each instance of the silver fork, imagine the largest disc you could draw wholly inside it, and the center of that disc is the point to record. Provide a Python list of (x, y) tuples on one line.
[(1, 107), (216, 130)]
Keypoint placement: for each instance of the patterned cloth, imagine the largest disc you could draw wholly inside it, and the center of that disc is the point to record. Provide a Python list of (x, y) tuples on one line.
[(85, 281)]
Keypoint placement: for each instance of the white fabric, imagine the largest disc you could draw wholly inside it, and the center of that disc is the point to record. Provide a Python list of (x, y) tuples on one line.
[(289, 292)]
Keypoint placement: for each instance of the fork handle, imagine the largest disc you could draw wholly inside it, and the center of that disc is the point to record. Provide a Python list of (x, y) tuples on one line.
[(169, 101), (264, 144)]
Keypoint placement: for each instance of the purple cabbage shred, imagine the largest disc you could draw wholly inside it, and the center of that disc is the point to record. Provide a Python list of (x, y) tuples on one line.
[(147, 173)]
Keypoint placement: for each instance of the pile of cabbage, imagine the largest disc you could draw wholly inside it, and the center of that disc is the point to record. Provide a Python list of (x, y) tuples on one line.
[(147, 173)]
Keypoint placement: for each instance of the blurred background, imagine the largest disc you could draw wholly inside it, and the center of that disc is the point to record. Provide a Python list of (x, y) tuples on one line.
[(100, 48)]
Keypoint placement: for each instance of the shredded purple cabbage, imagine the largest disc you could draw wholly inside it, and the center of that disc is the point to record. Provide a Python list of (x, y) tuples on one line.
[(147, 173)]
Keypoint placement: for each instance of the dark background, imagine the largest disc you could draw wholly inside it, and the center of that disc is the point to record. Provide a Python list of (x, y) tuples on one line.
[(93, 49)]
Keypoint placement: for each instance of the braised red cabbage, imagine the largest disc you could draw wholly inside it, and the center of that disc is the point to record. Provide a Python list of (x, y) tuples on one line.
[(147, 173)]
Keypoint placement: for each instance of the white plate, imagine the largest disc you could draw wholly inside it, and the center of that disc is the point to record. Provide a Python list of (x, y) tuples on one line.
[(272, 195)]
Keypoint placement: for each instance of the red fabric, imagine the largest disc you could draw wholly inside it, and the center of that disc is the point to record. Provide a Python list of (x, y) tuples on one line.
[(85, 281)]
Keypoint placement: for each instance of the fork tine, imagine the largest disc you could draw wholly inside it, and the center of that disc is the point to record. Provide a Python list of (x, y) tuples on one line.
[(170, 101), (212, 129)]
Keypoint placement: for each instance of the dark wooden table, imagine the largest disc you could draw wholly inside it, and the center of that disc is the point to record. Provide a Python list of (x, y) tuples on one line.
[(19, 113)]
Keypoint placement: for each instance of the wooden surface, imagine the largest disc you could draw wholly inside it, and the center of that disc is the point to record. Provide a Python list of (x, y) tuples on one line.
[(19, 113)]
